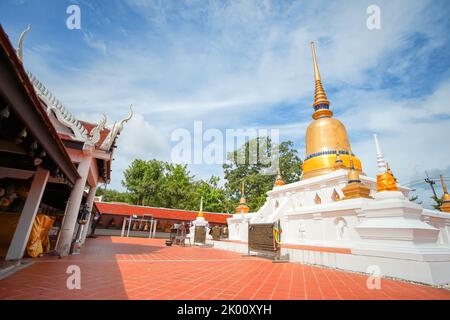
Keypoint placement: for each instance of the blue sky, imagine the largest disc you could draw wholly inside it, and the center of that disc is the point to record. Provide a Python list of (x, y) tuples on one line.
[(245, 64)]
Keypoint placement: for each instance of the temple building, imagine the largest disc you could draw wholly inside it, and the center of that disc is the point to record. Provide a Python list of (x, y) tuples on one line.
[(113, 215), (337, 216), (50, 166)]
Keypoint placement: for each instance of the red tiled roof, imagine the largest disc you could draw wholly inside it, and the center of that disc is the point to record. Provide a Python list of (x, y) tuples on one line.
[(124, 209), (42, 129)]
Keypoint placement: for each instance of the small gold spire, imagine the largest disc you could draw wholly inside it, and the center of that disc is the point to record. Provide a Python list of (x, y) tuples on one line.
[(279, 180), (354, 188), (338, 163), (444, 187), (386, 180), (200, 213), (243, 200), (242, 207), (321, 103), (445, 207), (353, 175)]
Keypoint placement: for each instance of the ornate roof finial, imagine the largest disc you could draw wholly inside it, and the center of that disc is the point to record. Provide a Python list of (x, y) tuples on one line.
[(115, 131), (279, 179), (445, 207), (380, 160), (321, 104), (20, 45)]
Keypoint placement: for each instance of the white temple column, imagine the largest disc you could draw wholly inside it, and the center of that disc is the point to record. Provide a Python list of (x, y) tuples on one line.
[(73, 207), (23, 229), (90, 204), (154, 228)]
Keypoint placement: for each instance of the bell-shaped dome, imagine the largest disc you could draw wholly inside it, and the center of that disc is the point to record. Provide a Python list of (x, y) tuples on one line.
[(325, 136)]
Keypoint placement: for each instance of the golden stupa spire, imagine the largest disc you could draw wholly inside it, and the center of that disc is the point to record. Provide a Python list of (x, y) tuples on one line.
[(353, 175), (354, 188), (445, 197), (444, 187), (242, 207), (326, 137), (321, 103)]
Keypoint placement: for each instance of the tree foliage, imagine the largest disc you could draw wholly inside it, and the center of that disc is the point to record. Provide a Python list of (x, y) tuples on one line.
[(161, 184), (437, 202), (252, 173)]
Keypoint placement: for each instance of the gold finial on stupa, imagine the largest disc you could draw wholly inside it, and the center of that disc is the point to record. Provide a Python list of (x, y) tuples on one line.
[(338, 163), (353, 175), (354, 188), (242, 207), (279, 179), (321, 103), (445, 197), (386, 180), (200, 213)]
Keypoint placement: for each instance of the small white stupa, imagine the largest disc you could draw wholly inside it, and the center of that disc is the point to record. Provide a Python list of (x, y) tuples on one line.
[(200, 221)]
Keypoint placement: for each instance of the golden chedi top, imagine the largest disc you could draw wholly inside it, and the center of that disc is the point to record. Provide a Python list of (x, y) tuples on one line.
[(325, 136), (355, 188), (385, 178), (445, 207), (242, 207), (279, 179)]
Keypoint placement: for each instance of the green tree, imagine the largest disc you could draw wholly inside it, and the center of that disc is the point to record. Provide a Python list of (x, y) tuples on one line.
[(160, 184), (177, 188), (438, 202), (214, 196), (241, 169), (144, 181), (111, 195)]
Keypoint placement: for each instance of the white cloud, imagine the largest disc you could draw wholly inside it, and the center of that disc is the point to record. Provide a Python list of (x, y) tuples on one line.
[(236, 64)]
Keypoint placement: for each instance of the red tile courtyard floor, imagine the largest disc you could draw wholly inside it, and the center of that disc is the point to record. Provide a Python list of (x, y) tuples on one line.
[(137, 268)]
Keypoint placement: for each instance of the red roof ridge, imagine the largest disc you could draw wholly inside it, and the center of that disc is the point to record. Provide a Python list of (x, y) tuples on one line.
[(161, 208)]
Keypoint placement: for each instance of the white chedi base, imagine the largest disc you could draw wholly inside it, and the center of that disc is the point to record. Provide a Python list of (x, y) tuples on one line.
[(388, 232), (394, 237), (238, 226), (199, 222)]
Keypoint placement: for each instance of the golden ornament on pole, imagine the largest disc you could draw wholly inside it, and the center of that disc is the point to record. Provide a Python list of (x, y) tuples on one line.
[(242, 207)]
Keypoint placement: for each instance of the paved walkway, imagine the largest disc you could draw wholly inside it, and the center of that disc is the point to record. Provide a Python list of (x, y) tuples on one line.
[(134, 268)]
